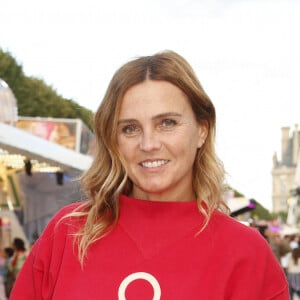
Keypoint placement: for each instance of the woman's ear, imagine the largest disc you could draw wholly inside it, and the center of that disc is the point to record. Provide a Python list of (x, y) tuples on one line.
[(202, 133)]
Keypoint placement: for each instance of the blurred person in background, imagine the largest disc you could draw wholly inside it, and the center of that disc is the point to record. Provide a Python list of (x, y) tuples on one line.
[(293, 272), (279, 246), (155, 223), (18, 258), (8, 277), (290, 244)]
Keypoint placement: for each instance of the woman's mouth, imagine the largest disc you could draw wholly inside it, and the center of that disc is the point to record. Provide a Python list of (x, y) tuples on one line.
[(154, 163)]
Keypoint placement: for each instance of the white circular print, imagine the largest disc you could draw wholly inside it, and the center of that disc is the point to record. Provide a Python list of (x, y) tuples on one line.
[(139, 275)]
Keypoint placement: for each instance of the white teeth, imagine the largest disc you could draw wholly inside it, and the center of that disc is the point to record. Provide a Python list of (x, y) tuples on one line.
[(154, 164)]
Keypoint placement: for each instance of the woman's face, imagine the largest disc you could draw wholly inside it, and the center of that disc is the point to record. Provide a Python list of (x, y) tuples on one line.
[(158, 138)]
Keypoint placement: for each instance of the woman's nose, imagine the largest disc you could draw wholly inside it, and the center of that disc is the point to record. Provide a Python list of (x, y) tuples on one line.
[(150, 141)]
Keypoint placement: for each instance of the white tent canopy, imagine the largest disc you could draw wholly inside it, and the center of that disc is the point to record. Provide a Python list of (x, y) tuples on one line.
[(15, 140), (239, 203)]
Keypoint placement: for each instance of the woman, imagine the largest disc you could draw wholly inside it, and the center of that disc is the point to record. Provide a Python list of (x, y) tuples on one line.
[(153, 226), (293, 272), (17, 261), (8, 276)]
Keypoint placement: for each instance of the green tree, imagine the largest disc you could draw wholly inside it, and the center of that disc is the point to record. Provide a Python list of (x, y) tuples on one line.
[(261, 213), (37, 99), (282, 215), (10, 71)]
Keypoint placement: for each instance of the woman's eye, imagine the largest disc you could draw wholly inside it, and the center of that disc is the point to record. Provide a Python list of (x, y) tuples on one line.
[(167, 123), (130, 129)]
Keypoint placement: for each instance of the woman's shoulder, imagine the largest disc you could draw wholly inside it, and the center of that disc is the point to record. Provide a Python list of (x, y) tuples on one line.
[(235, 230), (62, 221), (60, 226), (70, 208)]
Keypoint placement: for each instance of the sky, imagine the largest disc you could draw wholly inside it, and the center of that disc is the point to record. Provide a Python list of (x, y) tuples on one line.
[(246, 54)]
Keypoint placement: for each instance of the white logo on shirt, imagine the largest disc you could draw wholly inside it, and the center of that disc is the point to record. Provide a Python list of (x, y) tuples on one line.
[(139, 275)]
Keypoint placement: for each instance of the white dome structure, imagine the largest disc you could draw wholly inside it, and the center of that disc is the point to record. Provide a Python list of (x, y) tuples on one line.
[(8, 105)]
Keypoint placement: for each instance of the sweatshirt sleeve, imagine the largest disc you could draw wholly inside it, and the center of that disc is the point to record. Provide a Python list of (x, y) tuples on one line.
[(37, 277)]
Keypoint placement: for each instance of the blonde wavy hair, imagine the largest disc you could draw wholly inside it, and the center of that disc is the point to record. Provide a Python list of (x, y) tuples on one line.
[(106, 179)]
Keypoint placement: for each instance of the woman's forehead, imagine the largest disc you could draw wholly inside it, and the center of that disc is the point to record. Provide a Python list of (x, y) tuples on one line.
[(154, 95)]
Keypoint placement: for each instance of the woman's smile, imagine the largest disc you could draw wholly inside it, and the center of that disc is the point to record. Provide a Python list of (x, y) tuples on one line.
[(150, 164)]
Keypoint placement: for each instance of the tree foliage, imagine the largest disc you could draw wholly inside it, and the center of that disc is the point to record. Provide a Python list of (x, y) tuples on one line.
[(37, 99), (261, 213)]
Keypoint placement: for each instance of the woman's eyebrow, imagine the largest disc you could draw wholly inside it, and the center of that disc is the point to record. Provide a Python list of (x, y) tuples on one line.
[(159, 116), (125, 121), (167, 114)]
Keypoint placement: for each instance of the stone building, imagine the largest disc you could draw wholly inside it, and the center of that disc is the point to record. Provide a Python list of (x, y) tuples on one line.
[(284, 170)]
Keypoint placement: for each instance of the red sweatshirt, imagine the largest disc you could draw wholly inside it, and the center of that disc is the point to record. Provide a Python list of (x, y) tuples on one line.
[(154, 252)]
